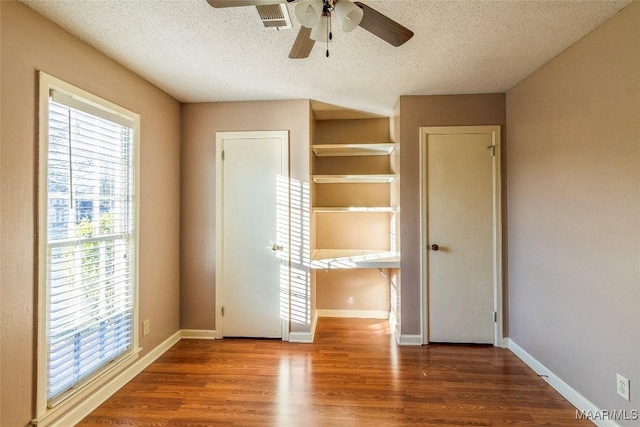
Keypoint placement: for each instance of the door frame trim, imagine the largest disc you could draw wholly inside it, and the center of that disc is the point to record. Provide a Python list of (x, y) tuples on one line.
[(219, 219), (494, 131)]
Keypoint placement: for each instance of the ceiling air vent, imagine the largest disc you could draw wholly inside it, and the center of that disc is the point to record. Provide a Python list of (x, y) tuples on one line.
[(275, 16)]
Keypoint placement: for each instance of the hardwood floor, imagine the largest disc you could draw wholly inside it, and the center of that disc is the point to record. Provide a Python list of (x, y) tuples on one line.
[(353, 375)]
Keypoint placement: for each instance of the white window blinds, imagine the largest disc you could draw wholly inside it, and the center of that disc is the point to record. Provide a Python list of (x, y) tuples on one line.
[(90, 246)]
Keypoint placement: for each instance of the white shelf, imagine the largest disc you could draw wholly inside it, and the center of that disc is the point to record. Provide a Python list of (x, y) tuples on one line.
[(354, 258), (337, 209), (358, 179), (345, 150)]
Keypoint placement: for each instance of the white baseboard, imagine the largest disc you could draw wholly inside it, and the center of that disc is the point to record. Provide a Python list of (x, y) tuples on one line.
[(574, 397), (198, 334), (305, 337), (404, 339), (354, 314), (83, 409)]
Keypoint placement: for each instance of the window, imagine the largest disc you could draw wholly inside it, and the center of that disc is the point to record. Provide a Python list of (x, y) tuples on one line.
[(87, 240)]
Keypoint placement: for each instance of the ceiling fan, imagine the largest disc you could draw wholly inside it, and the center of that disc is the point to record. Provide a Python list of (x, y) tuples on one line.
[(315, 17)]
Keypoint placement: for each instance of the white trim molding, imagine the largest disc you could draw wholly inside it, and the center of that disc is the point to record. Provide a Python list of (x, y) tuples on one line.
[(302, 337), (404, 339), (573, 396), (198, 334), (354, 314), (305, 337)]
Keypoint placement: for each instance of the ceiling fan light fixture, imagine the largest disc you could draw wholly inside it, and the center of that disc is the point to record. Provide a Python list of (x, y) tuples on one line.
[(348, 14), (308, 12), (315, 19), (320, 32)]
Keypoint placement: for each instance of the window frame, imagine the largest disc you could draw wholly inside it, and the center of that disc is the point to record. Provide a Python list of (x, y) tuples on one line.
[(47, 411)]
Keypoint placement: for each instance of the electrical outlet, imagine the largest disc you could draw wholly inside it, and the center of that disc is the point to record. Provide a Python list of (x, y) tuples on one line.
[(145, 327), (623, 387)]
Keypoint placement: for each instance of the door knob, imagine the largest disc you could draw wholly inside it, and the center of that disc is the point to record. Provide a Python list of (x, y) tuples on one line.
[(276, 247), (435, 247)]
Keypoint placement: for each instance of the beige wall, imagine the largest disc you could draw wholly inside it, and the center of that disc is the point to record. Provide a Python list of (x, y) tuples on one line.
[(31, 43), (351, 131), (415, 112), (357, 289), (574, 212), (200, 122)]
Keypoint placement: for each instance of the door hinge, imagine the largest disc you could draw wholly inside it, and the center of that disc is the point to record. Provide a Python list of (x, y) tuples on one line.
[(495, 316), (493, 150), (223, 155), (222, 311)]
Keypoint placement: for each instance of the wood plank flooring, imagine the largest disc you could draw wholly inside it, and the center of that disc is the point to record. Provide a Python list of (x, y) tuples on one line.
[(353, 375)]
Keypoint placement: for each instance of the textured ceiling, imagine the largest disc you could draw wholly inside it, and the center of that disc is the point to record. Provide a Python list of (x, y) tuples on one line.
[(197, 53)]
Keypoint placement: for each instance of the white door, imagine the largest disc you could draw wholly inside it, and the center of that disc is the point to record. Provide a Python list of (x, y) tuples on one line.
[(461, 234), (254, 232)]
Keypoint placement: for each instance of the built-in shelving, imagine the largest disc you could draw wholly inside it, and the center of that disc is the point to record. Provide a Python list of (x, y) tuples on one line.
[(354, 258), (354, 179), (338, 209), (346, 150), (332, 258)]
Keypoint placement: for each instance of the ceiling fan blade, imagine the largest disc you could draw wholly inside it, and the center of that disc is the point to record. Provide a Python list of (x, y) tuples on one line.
[(238, 3), (302, 46), (384, 27)]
